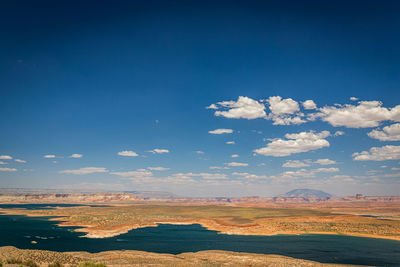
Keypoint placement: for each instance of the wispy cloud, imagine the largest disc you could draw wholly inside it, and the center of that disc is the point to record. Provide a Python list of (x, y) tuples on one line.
[(128, 153), (86, 170), (76, 156), (158, 151), (8, 170), (221, 131)]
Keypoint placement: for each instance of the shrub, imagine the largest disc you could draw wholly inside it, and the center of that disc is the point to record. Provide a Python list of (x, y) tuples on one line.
[(56, 264), (14, 261), (30, 263)]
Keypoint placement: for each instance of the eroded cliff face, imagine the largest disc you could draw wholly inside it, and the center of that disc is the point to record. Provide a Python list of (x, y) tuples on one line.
[(67, 198)]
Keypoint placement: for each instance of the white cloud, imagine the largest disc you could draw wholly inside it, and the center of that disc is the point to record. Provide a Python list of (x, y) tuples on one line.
[(243, 108), (296, 164), (159, 151), (158, 169), (128, 153), (5, 157), (296, 143), (325, 162), (235, 156), (364, 115), (49, 156), (379, 154), (212, 106), (134, 174), (306, 163), (282, 109), (249, 175), (203, 175), (338, 133), (278, 106), (230, 142), (8, 170), (237, 164), (20, 160), (3, 163), (388, 133), (199, 152), (76, 156), (353, 98), (86, 170), (326, 170), (221, 131), (309, 104), (218, 168)]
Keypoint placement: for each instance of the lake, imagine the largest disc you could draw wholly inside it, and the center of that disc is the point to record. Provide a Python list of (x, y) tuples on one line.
[(19, 231)]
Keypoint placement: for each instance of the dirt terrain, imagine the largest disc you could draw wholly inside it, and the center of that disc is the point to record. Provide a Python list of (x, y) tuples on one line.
[(138, 258)]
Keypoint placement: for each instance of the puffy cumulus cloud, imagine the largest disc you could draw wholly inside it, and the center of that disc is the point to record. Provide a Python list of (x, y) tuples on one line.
[(134, 174), (364, 115), (235, 156), (221, 131), (296, 143), (325, 162), (230, 142), (128, 153), (159, 151), (49, 156), (86, 170), (243, 108), (8, 170), (296, 163), (388, 133), (76, 156), (286, 120), (278, 106), (283, 111), (20, 160), (158, 169), (237, 164), (5, 157), (249, 175), (378, 154), (309, 104)]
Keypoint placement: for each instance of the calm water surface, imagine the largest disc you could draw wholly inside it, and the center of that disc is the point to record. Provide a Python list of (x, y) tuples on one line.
[(19, 231)]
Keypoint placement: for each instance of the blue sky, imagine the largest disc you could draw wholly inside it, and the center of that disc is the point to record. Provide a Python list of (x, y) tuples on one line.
[(134, 89)]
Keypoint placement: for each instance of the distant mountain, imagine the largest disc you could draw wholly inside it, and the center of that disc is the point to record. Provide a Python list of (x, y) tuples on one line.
[(307, 193), (152, 194)]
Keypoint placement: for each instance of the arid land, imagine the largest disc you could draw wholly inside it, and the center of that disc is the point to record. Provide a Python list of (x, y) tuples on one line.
[(139, 258), (355, 217)]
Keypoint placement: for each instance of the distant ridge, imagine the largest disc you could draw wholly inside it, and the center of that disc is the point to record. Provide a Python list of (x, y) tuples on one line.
[(152, 194), (306, 193)]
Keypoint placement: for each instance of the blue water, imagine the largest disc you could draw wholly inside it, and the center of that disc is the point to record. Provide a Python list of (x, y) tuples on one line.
[(19, 231)]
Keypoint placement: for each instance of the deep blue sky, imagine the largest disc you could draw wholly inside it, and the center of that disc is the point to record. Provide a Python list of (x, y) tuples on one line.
[(99, 77)]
